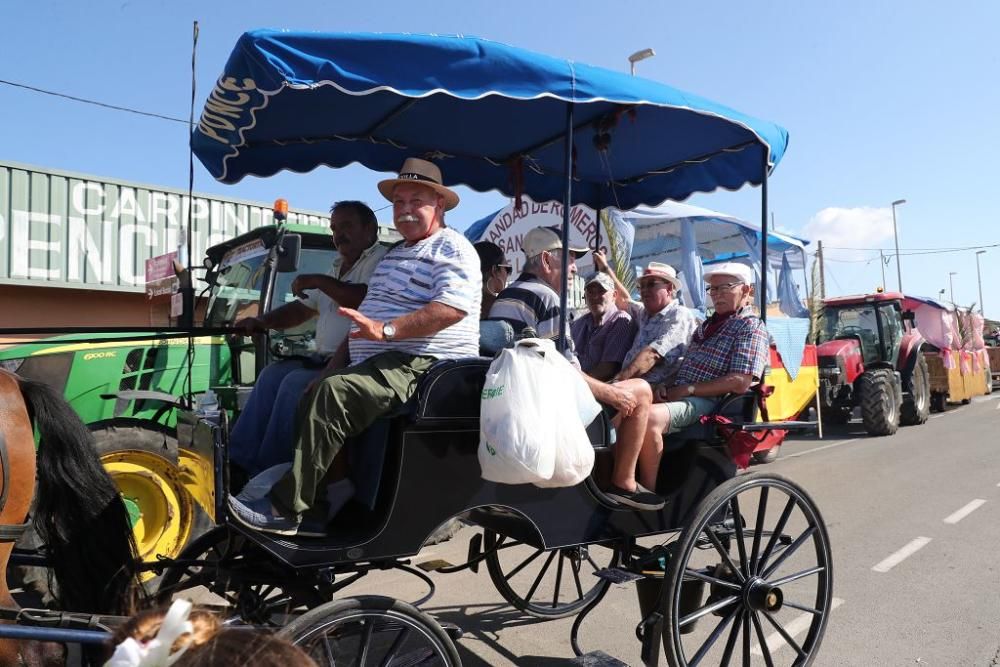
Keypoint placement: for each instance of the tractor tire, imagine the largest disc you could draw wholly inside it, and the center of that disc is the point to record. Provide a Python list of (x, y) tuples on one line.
[(939, 401), (917, 408), (881, 397), (142, 463)]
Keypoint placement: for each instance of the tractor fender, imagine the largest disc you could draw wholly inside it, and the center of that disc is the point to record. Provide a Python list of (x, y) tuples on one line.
[(169, 450), (910, 348)]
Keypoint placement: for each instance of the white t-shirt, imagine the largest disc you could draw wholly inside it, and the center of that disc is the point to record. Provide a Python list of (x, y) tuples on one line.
[(332, 327), (442, 268)]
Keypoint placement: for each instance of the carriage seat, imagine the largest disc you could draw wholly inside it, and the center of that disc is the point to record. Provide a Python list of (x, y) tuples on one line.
[(451, 390)]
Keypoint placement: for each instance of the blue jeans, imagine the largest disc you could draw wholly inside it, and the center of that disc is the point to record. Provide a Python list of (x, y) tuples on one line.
[(264, 434)]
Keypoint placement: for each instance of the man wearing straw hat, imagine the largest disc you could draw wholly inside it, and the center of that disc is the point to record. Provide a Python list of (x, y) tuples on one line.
[(422, 305)]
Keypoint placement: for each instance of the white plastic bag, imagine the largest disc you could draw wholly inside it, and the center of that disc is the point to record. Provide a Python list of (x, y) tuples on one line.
[(531, 428)]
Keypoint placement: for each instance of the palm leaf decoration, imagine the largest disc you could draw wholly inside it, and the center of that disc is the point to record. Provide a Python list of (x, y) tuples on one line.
[(618, 261), (964, 321)]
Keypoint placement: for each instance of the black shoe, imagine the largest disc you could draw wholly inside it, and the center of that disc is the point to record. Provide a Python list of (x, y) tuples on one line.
[(640, 499)]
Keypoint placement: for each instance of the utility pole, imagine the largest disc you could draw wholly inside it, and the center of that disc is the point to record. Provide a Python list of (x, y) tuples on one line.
[(979, 279), (881, 260), (822, 271)]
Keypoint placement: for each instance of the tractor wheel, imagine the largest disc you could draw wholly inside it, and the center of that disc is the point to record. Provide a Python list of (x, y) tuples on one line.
[(917, 408), (938, 401), (880, 401), (163, 514)]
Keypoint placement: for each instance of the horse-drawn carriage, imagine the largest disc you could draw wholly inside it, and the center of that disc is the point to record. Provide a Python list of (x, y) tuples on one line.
[(744, 560)]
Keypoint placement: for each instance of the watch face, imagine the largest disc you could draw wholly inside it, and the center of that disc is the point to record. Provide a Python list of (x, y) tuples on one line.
[(388, 331)]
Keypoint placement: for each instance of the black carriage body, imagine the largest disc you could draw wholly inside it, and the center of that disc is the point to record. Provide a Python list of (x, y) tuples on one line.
[(431, 473)]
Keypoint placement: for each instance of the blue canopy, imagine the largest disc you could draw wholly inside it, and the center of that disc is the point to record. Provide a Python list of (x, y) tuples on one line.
[(492, 116)]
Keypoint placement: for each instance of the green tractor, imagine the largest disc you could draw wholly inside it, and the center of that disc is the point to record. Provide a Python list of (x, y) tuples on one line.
[(126, 386)]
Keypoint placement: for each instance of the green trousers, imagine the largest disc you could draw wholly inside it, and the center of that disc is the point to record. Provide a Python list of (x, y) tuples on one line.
[(339, 407)]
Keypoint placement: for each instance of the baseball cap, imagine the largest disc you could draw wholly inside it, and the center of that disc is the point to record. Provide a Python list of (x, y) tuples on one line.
[(602, 279), (540, 239)]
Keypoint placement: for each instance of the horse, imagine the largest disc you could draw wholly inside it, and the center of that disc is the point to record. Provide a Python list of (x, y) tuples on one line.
[(78, 513)]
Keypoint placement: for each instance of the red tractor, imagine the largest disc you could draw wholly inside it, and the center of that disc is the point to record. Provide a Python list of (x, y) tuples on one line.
[(870, 357)]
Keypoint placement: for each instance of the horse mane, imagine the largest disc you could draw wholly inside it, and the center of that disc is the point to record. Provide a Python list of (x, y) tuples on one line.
[(79, 513)]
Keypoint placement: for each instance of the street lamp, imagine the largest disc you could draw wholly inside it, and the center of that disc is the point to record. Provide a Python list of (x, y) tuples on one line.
[(895, 233), (952, 285), (941, 294), (979, 279), (637, 56)]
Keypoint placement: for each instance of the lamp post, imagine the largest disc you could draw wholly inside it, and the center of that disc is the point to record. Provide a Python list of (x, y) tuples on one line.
[(637, 56), (979, 279), (941, 294), (895, 234), (951, 285)]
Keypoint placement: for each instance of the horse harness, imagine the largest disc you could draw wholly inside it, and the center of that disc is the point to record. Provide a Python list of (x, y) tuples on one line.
[(9, 532)]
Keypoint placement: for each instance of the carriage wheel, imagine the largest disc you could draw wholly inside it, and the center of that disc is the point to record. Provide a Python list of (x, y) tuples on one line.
[(257, 588), (547, 584), (372, 630), (759, 543)]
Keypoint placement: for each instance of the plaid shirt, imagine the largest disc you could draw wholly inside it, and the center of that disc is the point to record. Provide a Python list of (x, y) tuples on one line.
[(607, 341), (740, 346)]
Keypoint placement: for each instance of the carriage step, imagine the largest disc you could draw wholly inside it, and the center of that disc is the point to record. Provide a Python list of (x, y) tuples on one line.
[(434, 565), (617, 575), (597, 659)]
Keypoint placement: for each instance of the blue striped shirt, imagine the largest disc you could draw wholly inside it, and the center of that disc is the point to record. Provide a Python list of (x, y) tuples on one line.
[(442, 268)]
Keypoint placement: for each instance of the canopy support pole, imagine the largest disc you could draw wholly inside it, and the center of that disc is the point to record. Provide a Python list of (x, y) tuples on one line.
[(567, 202), (763, 239)]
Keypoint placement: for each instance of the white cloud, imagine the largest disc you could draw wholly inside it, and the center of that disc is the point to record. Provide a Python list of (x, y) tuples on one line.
[(863, 227)]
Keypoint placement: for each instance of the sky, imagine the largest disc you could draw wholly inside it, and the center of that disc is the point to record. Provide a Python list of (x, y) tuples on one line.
[(882, 100)]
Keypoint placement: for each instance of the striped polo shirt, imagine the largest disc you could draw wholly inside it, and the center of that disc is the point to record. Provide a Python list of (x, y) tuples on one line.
[(444, 268), (530, 302)]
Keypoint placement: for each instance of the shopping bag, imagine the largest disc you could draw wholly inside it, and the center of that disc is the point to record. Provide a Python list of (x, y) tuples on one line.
[(515, 433), (572, 410)]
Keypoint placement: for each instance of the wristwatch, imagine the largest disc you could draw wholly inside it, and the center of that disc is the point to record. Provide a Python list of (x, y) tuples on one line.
[(388, 331), (690, 390)]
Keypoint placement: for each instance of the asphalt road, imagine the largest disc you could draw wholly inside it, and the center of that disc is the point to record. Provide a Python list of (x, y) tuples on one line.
[(913, 522)]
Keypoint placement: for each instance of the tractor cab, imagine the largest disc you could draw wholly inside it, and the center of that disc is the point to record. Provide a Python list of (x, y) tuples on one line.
[(875, 322)]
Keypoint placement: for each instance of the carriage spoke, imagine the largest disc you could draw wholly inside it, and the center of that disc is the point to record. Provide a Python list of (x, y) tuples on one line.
[(704, 611), (792, 548), (538, 579), (758, 530), (576, 580), (559, 570), (746, 637), (714, 637), (784, 634), (523, 565), (731, 641), (698, 574), (734, 504), (782, 520), (798, 575), (802, 607), (366, 641), (331, 659), (724, 553), (396, 645), (762, 641)]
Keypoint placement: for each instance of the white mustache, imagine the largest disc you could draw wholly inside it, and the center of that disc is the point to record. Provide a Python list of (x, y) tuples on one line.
[(406, 217)]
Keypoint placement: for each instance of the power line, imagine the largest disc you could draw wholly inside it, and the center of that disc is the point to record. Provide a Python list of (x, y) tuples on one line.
[(93, 102), (920, 250)]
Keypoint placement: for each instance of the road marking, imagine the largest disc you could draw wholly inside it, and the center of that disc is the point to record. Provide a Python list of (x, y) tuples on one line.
[(819, 449), (965, 511), (998, 405), (939, 415), (901, 555), (798, 625)]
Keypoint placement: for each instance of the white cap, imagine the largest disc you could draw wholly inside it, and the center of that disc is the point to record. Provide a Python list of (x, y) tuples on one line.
[(741, 272), (540, 239)]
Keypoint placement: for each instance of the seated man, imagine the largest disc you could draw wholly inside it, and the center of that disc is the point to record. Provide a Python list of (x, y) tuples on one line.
[(604, 336), (262, 436), (532, 301), (727, 354), (422, 305), (665, 326)]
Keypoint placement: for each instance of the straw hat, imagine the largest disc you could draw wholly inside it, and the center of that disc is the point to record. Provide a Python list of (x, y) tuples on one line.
[(423, 172), (661, 271)]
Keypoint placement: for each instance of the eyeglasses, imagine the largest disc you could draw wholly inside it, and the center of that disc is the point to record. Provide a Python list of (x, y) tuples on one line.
[(722, 287)]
